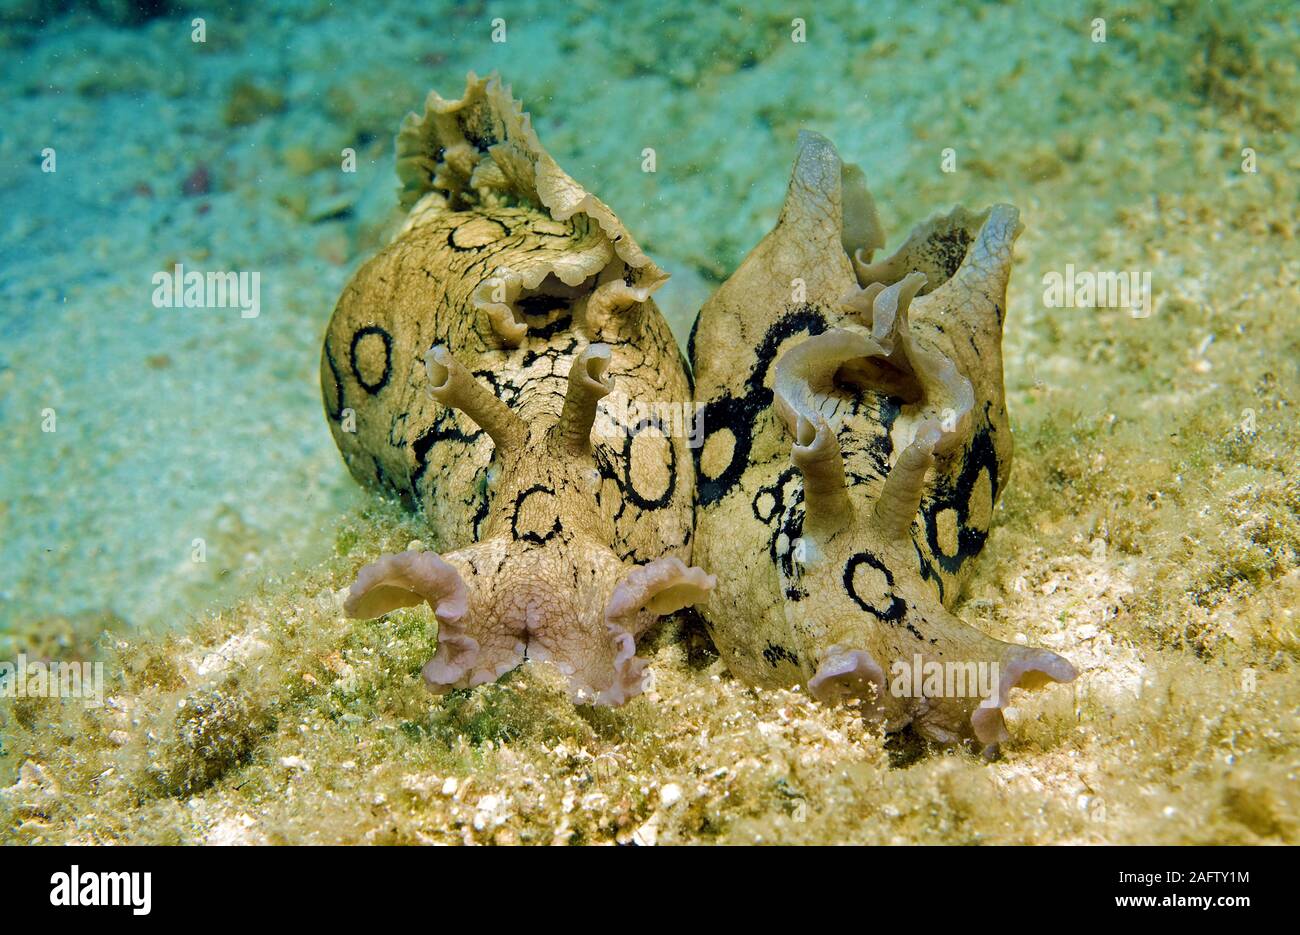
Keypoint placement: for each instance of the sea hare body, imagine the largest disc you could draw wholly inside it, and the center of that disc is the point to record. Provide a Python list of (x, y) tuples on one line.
[(856, 442), (487, 366)]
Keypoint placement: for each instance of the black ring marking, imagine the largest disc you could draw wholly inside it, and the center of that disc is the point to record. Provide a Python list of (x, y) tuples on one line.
[(740, 414), (955, 495), (372, 388), (514, 518), (443, 429), (897, 607), (337, 413), (451, 236), (629, 488)]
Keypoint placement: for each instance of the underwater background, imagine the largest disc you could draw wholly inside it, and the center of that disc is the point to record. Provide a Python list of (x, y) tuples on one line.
[(1150, 532)]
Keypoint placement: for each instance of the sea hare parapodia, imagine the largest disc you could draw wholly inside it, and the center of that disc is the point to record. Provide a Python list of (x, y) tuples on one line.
[(471, 355), (857, 440)]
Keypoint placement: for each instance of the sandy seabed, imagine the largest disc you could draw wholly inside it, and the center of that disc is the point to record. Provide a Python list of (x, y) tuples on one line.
[(1150, 531)]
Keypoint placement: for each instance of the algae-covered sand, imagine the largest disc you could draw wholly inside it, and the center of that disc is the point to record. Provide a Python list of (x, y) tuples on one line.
[(1150, 531)]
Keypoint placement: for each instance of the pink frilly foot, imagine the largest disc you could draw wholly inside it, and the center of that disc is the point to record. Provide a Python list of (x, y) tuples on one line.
[(484, 633), (406, 579)]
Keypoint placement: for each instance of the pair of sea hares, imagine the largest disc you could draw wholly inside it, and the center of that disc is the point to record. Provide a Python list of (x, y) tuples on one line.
[(856, 437)]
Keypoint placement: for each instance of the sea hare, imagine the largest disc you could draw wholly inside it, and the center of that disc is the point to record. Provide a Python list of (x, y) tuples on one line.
[(856, 442), (487, 366)]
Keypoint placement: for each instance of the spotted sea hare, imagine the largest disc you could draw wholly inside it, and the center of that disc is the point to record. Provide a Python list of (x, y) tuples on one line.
[(856, 443), (464, 369)]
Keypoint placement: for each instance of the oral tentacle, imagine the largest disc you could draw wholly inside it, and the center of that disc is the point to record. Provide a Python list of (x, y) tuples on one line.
[(850, 676), (474, 645), (1025, 668), (654, 589), (407, 579), (947, 679)]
